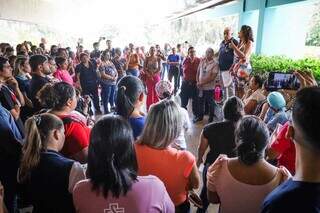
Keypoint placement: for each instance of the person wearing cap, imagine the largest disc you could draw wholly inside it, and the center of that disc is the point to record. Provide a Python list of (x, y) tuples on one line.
[(164, 89), (276, 113)]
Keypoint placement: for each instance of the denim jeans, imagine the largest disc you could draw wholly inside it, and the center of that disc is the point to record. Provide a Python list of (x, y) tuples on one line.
[(164, 70), (134, 72), (174, 73), (107, 96)]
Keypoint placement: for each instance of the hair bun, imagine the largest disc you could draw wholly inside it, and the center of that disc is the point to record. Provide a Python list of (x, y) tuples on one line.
[(248, 153)]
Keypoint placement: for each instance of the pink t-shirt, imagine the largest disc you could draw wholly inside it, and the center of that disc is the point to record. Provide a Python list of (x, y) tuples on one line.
[(236, 196), (148, 194), (63, 75)]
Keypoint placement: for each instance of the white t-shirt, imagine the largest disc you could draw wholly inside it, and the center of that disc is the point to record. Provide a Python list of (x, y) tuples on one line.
[(180, 142)]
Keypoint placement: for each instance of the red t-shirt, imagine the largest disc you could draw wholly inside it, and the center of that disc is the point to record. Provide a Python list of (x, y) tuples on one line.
[(286, 149), (77, 136), (190, 68)]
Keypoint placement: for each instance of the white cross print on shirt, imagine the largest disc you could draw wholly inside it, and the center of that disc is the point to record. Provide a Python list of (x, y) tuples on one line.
[(114, 208)]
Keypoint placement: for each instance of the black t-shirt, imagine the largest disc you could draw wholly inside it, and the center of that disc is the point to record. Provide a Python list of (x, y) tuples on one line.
[(88, 75), (24, 85), (293, 196), (8, 100), (37, 82), (221, 140)]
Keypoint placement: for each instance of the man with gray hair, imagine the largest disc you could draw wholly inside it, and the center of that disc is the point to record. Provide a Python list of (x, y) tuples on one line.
[(207, 77), (226, 56)]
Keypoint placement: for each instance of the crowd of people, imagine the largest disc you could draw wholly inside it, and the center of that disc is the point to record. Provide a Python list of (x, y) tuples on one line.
[(58, 153)]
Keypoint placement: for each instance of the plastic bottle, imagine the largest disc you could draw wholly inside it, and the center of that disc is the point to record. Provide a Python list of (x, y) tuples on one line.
[(217, 93)]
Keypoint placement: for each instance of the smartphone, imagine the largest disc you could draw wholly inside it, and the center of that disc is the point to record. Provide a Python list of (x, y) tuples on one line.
[(279, 80)]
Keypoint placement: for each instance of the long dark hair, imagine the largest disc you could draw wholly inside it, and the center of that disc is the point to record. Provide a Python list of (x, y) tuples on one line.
[(252, 136), (129, 90), (112, 163), (55, 96), (59, 61), (233, 109), (247, 33)]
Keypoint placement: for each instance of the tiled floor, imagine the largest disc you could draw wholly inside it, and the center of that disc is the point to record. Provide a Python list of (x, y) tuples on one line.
[(192, 142)]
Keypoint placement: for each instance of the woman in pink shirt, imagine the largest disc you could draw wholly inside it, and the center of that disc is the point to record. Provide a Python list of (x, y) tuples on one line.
[(240, 184), (62, 73), (113, 184)]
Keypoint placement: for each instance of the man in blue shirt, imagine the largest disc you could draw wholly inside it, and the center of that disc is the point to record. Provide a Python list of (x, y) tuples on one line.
[(174, 63), (10, 152), (226, 56), (302, 192)]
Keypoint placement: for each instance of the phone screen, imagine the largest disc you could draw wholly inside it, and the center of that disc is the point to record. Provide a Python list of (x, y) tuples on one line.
[(278, 80)]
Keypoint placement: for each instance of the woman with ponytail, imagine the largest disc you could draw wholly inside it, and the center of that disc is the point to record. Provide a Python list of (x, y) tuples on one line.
[(60, 99), (46, 176), (130, 99), (240, 184), (113, 184)]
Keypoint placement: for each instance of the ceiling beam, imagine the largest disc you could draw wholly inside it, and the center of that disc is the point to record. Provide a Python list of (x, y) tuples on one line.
[(201, 7)]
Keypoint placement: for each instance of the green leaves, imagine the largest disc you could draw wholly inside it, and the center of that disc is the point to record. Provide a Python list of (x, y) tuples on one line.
[(264, 64)]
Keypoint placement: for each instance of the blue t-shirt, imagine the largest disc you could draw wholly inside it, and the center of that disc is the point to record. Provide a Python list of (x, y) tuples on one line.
[(137, 125), (8, 125), (293, 196), (272, 118), (173, 58), (226, 55), (10, 155)]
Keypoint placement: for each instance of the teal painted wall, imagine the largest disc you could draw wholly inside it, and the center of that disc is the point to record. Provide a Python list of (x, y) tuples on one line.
[(279, 26), (284, 30), (251, 5), (272, 3)]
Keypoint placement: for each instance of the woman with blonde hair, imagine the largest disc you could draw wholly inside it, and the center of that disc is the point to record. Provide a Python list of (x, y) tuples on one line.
[(46, 176), (22, 72), (162, 128)]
